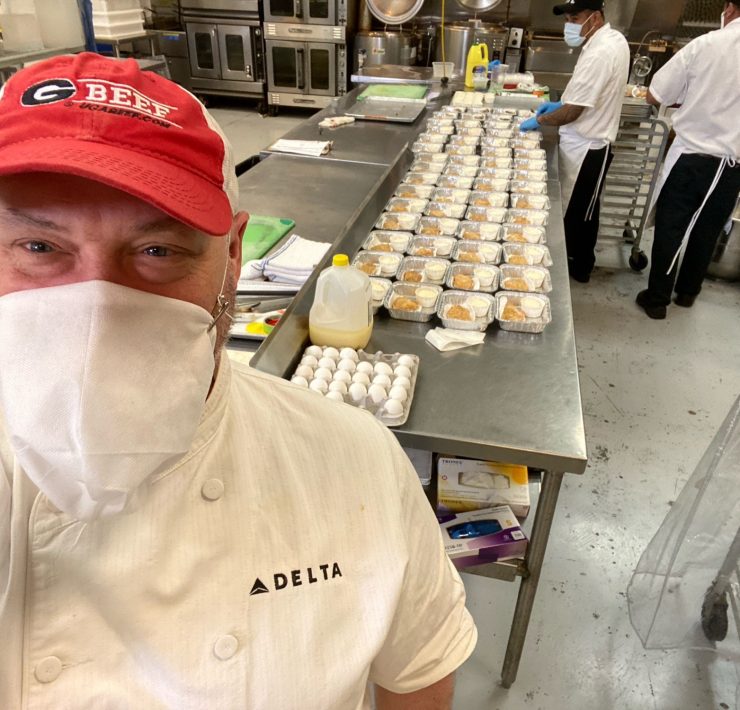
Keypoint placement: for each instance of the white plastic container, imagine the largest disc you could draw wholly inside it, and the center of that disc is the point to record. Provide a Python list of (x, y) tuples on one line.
[(342, 310), (20, 26), (113, 25), (105, 6), (60, 23)]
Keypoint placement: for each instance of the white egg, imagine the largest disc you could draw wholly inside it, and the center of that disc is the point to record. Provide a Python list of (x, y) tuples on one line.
[(333, 353), (314, 351), (340, 387), (357, 391), (310, 360), (304, 371), (335, 396), (365, 367), (382, 380), (348, 365), (348, 354), (319, 386), (402, 371), (322, 373), (404, 382), (298, 380), (406, 361), (342, 376), (382, 368), (393, 408), (377, 393), (328, 363), (399, 393), (362, 378)]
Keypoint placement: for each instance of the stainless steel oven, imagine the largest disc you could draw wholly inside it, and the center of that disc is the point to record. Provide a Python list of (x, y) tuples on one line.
[(314, 12), (305, 68), (226, 47)]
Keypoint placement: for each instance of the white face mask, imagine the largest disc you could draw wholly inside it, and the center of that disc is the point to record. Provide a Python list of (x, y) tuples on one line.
[(572, 33), (101, 387)]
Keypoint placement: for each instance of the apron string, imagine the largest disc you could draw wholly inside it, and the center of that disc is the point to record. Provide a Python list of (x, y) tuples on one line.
[(602, 175), (725, 162)]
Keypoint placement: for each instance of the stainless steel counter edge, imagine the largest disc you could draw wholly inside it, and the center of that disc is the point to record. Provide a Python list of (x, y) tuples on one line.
[(280, 352), (547, 396)]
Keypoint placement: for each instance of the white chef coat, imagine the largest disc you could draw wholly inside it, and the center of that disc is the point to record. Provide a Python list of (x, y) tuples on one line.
[(288, 560), (597, 84), (704, 77)]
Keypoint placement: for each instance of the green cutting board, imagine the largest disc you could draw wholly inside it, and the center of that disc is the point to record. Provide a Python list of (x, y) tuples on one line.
[(394, 91), (261, 234)]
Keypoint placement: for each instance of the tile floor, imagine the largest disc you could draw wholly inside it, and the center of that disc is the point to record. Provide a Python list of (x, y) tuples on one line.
[(654, 393)]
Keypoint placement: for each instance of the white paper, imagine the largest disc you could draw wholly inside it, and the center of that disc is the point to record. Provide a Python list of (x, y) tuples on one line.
[(446, 339), (311, 148)]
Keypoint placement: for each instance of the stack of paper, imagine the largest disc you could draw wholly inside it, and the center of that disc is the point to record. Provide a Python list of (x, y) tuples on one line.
[(313, 149)]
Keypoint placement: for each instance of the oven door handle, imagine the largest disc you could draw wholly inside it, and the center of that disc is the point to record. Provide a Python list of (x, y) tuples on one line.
[(300, 73)]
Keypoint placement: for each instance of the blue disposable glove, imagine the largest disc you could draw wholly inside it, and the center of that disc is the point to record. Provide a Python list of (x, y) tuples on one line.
[(529, 125), (548, 107)]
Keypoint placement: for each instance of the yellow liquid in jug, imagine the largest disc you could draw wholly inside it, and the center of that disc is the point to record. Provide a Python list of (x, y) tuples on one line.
[(340, 338)]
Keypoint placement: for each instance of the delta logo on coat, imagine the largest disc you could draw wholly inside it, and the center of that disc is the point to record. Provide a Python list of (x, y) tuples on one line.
[(297, 578)]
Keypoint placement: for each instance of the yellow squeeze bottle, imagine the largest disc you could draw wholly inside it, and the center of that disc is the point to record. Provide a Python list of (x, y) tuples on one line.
[(477, 57)]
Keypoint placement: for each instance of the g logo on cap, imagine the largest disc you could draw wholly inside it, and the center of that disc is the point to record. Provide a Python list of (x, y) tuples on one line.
[(48, 92)]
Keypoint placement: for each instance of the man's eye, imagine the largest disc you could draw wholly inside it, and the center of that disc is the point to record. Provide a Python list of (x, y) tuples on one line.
[(157, 251), (38, 247)]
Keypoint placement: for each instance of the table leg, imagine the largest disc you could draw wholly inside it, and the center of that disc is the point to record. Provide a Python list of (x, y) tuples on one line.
[(528, 587)]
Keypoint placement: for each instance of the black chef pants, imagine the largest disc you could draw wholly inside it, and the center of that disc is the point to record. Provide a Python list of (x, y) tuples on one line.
[(681, 196), (582, 228)]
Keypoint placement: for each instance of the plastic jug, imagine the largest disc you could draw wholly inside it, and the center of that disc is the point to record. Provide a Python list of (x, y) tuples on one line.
[(477, 62), (342, 313), (20, 26)]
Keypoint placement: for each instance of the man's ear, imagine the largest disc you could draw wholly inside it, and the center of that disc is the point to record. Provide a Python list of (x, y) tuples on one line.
[(238, 225)]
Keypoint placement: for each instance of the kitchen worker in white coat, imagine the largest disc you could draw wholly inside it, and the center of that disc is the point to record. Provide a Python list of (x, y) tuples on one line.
[(588, 117), (700, 180), (177, 531)]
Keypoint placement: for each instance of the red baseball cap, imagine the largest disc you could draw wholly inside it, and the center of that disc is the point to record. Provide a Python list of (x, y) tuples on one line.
[(107, 120)]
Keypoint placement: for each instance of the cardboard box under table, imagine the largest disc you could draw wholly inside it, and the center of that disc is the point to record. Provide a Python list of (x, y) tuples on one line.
[(469, 484), (481, 536)]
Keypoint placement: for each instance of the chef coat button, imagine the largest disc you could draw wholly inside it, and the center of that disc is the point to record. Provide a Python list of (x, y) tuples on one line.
[(48, 669), (212, 489), (225, 647)]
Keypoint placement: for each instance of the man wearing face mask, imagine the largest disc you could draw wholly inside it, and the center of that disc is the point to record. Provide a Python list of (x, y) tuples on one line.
[(177, 531), (699, 183), (588, 117)]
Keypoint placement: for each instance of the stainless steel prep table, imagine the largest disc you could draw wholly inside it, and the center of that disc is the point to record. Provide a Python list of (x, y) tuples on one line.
[(369, 142), (514, 398)]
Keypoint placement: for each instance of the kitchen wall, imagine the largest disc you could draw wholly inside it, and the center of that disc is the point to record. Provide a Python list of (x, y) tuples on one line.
[(634, 17)]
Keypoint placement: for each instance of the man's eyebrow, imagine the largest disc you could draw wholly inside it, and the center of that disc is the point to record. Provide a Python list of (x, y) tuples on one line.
[(164, 224), (32, 220)]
